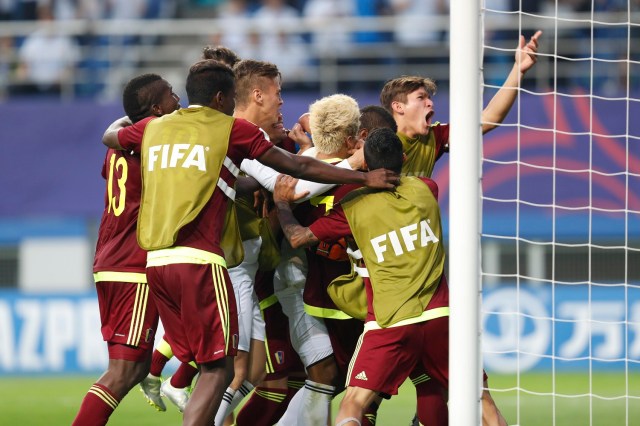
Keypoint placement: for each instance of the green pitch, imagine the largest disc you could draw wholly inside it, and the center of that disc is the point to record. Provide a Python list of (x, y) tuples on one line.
[(55, 401)]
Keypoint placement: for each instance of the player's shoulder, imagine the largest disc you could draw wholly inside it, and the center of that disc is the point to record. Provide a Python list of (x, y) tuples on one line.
[(140, 124), (245, 131), (342, 190), (243, 125), (439, 128), (433, 186)]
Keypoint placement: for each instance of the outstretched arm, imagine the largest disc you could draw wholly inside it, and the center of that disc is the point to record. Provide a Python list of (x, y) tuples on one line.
[(267, 176), (110, 137), (309, 168), (499, 106)]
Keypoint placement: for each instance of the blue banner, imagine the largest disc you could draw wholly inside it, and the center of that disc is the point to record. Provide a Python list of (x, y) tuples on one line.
[(569, 327), (573, 328), (50, 334), (53, 334)]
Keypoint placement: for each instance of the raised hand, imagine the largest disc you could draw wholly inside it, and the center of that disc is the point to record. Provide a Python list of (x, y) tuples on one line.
[(382, 179), (298, 135), (527, 54)]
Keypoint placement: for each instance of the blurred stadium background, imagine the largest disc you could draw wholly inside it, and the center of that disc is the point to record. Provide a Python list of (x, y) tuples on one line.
[(63, 64)]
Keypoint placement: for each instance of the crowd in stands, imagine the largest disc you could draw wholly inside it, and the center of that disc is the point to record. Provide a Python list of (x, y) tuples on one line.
[(49, 62)]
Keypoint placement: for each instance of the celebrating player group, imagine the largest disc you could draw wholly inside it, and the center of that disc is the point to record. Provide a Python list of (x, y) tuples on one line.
[(286, 266)]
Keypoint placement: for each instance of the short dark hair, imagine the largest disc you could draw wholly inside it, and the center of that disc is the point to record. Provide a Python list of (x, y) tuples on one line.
[(248, 74), (222, 54), (138, 96), (206, 78), (375, 117), (383, 150)]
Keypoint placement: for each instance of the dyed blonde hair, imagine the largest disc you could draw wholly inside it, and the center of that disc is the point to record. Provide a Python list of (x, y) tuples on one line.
[(332, 119)]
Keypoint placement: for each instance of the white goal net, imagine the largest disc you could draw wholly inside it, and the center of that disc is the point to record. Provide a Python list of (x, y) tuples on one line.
[(560, 229)]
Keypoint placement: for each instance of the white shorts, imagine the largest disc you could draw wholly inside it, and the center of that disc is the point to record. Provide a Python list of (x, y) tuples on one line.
[(309, 336), (250, 322)]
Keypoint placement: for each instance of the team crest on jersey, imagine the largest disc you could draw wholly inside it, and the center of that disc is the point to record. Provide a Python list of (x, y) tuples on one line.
[(234, 341), (279, 355)]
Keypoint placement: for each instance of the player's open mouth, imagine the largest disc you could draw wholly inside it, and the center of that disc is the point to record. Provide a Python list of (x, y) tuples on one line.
[(427, 118)]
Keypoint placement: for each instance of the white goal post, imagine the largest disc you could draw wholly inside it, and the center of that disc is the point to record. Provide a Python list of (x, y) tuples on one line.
[(544, 214), (464, 226)]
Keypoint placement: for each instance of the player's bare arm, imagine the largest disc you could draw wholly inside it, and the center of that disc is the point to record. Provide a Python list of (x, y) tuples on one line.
[(283, 195), (499, 106), (319, 171), (247, 185), (110, 137)]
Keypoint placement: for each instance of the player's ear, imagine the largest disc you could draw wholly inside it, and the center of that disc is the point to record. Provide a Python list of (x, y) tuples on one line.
[(257, 96), (397, 107), (218, 99), (156, 110), (352, 142), (363, 133)]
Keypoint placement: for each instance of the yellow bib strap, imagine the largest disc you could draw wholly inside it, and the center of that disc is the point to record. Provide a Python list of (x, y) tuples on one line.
[(122, 277), (269, 301), (175, 255), (164, 348), (316, 311), (425, 316)]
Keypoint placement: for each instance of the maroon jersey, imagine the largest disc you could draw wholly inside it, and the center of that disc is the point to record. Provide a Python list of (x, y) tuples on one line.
[(321, 269), (117, 248), (288, 145)]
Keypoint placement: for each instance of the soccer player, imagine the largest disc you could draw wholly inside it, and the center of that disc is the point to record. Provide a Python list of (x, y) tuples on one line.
[(127, 312), (334, 123), (409, 99), (258, 100), (398, 234), (190, 164), (272, 396), (176, 387)]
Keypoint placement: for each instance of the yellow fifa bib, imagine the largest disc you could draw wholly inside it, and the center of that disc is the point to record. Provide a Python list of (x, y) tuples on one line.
[(399, 235), (182, 155)]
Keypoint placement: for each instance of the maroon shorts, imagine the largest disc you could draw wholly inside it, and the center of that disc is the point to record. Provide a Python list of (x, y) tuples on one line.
[(129, 317), (386, 357), (197, 307), (282, 359), (344, 335)]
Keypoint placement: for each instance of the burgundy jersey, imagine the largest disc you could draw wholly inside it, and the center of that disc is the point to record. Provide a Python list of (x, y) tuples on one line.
[(321, 269), (117, 247), (288, 145)]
